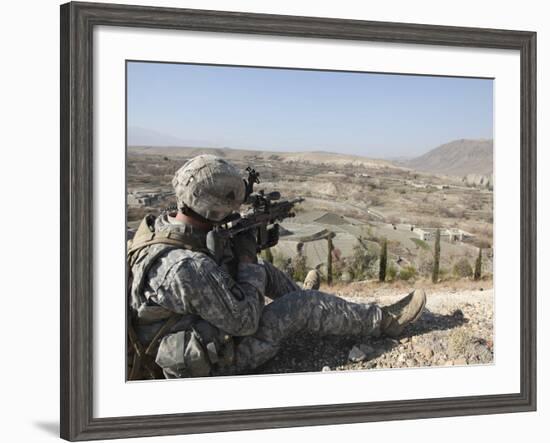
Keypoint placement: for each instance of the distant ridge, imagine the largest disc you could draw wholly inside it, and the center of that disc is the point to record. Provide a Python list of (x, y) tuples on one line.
[(458, 158), (313, 157)]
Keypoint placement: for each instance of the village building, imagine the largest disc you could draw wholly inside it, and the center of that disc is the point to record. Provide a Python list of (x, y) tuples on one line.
[(450, 235), (146, 197)]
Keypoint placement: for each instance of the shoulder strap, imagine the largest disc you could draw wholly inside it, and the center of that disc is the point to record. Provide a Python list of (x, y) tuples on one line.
[(145, 236), (172, 238), (145, 249), (143, 362)]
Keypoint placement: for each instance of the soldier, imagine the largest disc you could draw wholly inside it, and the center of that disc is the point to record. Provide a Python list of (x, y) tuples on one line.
[(191, 316)]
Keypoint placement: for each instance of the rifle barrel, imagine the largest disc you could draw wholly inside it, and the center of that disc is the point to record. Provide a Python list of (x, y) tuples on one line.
[(278, 211)]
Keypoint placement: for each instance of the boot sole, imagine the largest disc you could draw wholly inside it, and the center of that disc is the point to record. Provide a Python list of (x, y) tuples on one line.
[(399, 329), (421, 310)]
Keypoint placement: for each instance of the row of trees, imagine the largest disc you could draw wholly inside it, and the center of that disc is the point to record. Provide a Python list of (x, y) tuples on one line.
[(462, 268), (363, 264)]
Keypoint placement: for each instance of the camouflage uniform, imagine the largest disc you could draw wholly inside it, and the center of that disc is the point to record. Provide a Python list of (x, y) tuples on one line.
[(225, 326)]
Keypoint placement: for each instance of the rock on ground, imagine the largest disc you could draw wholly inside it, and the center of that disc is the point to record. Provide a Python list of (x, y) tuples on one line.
[(455, 329)]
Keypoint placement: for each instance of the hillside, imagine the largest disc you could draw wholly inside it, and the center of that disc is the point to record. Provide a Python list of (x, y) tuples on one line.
[(458, 158), (314, 157)]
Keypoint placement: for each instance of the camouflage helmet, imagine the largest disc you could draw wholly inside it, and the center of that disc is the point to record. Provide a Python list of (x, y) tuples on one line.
[(209, 186)]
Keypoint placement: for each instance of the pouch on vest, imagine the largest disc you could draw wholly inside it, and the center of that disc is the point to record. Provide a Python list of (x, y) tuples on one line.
[(195, 352), (182, 355), (187, 353)]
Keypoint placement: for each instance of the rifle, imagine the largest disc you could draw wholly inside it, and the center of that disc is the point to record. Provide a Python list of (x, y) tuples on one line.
[(263, 214)]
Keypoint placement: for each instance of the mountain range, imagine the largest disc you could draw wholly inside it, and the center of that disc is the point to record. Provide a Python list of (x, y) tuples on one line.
[(458, 158)]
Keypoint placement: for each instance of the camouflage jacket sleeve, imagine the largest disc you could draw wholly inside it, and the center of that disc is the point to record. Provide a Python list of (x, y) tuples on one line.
[(201, 287)]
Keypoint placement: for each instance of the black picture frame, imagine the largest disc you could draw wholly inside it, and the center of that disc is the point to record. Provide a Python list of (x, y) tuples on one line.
[(77, 23)]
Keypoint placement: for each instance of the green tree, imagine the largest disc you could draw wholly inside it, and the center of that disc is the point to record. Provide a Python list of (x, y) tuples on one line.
[(407, 273), (477, 271), (437, 254), (299, 267), (360, 261), (383, 261), (391, 273), (330, 248), (280, 261), (267, 255)]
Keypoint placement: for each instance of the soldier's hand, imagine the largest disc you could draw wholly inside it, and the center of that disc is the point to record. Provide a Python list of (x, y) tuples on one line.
[(273, 235), (245, 247)]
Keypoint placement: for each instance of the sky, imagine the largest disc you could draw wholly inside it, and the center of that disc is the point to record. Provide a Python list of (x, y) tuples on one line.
[(373, 115)]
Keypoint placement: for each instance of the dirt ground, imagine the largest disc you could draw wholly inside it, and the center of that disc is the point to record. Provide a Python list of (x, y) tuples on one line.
[(455, 329)]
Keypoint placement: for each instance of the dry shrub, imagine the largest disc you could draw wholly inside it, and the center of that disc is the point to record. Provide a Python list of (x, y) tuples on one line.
[(407, 273), (459, 340), (462, 268)]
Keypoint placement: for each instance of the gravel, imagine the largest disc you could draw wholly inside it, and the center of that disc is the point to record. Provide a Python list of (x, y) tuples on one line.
[(456, 329)]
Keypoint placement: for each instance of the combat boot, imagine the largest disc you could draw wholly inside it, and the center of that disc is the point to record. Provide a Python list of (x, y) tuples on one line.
[(312, 280), (407, 310)]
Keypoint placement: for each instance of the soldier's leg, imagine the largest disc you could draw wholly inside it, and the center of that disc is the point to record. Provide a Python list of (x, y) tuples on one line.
[(278, 283), (304, 311), (312, 280)]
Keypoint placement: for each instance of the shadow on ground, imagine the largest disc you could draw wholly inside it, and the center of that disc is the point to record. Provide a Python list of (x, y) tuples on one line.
[(309, 353), (431, 321)]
